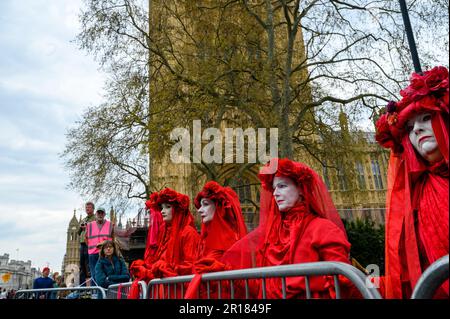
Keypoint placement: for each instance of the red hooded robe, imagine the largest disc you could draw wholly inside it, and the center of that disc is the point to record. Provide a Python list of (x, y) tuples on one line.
[(417, 198)]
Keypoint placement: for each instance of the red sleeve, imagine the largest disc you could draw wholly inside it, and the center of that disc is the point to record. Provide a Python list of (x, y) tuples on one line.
[(332, 245), (321, 241), (189, 242), (329, 241)]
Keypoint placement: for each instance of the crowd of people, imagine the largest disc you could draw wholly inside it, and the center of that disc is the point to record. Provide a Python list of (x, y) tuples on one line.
[(7, 293), (47, 281), (298, 221)]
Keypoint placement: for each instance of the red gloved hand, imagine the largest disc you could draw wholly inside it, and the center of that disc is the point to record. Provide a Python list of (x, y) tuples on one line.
[(139, 270), (205, 265), (161, 269)]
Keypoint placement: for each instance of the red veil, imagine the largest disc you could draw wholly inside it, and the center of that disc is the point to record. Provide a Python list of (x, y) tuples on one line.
[(417, 196), (316, 199), (155, 227), (228, 224), (167, 242), (226, 227), (256, 249), (182, 218)]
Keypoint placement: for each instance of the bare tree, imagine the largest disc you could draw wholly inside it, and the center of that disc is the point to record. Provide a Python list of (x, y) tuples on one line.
[(296, 65)]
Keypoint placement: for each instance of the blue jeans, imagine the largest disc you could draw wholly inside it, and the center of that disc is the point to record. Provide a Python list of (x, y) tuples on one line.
[(92, 262)]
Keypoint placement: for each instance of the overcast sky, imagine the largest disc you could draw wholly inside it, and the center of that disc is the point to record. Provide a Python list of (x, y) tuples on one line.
[(45, 84)]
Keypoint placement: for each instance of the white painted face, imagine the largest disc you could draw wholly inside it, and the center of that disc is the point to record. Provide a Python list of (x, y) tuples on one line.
[(207, 210), (422, 137), (166, 212), (286, 193)]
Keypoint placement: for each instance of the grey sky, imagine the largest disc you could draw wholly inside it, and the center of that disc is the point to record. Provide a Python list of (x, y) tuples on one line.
[(45, 83)]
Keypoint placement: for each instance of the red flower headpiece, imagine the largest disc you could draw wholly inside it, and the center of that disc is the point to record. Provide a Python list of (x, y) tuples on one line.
[(218, 194), (427, 92), (169, 196), (299, 173)]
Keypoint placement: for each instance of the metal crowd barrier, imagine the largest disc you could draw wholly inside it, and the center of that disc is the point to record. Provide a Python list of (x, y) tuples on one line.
[(159, 287), (113, 290), (83, 292), (432, 278)]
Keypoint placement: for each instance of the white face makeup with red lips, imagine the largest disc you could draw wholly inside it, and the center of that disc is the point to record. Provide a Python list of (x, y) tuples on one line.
[(422, 137), (207, 210), (166, 212), (286, 193)]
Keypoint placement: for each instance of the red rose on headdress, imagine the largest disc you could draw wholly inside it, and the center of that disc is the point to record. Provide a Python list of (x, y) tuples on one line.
[(172, 197), (152, 203), (169, 196), (434, 82), (215, 192), (437, 79), (300, 174), (384, 134)]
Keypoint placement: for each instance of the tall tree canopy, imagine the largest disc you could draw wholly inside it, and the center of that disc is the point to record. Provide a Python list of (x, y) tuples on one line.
[(287, 64)]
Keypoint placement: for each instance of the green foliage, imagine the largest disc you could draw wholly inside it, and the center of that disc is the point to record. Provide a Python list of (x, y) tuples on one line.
[(367, 240)]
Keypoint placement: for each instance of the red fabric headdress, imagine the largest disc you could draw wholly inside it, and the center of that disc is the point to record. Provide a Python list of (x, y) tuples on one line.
[(228, 225), (156, 227), (426, 93), (429, 93), (316, 200), (181, 217), (314, 191)]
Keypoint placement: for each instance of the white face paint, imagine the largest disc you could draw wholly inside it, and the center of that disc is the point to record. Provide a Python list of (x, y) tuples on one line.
[(286, 193), (166, 212), (207, 210), (422, 137)]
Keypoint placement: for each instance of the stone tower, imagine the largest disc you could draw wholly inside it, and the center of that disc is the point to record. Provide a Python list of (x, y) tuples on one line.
[(71, 262)]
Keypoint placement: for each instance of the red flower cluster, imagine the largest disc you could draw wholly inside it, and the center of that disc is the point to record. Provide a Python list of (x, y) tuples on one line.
[(427, 92), (385, 135), (169, 196), (433, 82), (152, 203), (298, 172), (218, 194)]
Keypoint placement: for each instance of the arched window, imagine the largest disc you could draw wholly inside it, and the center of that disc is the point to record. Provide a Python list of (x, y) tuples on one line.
[(326, 177), (248, 198), (377, 174), (242, 187), (360, 175)]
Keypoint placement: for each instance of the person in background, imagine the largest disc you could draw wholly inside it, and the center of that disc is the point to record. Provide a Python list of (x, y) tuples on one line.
[(54, 294), (85, 272), (110, 268), (96, 232), (43, 282)]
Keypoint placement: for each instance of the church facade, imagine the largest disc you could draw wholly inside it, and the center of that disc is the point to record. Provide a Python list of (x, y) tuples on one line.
[(71, 262)]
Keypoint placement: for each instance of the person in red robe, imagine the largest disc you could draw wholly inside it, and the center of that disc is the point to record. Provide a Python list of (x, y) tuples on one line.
[(222, 225), (298, 224), (416, 130), (177, 243)]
